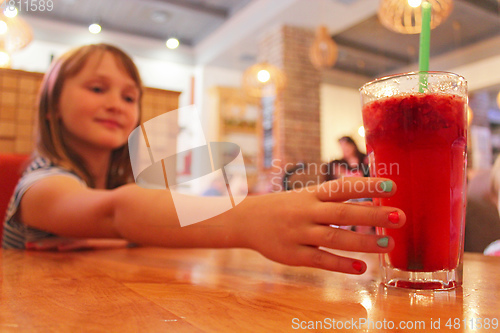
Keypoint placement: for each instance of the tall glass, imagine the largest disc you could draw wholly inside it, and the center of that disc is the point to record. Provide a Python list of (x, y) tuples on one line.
[(416, 135)]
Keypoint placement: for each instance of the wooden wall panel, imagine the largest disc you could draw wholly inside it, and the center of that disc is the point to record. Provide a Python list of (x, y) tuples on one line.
[(18, 96), (18, 92)]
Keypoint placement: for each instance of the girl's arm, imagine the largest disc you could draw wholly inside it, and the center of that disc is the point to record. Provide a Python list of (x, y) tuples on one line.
[(288, 227), (61, 205)]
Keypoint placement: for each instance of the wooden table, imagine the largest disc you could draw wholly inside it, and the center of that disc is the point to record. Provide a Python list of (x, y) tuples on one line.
[(165, 290)]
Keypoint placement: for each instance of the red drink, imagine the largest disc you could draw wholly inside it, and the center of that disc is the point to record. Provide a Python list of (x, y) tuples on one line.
[(419, 141)]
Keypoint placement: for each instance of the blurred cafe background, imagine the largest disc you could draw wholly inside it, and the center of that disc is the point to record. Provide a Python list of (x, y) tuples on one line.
[(278, 77)]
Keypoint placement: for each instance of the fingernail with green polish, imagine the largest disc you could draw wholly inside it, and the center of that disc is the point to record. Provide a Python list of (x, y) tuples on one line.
[(383, 242), (386, 186)]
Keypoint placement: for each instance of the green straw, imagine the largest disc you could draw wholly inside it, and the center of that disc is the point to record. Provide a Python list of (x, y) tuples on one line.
[(425, 41)]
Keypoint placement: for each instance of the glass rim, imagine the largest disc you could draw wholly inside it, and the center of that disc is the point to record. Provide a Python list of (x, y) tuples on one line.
[(392, 76)]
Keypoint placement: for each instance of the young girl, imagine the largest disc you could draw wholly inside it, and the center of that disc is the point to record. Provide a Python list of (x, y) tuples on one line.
[(77, 192)]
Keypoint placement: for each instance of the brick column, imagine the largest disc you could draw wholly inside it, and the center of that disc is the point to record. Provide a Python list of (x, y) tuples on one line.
[(296, 121)]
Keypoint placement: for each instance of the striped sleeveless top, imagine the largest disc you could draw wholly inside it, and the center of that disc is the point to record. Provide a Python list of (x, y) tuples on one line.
[(15, 233)]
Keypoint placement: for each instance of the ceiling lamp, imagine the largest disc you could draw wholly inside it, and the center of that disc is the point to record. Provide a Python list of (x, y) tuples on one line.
[(263, 79), (404, 16), (3, 27), (15, 33), (172, 43), (10, 11), (95, 28), (361, 131), (323, 52)]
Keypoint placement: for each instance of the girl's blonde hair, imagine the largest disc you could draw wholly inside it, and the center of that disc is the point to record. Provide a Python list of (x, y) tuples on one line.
[(49, 139)]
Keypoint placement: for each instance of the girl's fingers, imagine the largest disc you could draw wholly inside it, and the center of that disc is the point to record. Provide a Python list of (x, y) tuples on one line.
[(347, 188), (342, 214), (314, 257), (336, 238)]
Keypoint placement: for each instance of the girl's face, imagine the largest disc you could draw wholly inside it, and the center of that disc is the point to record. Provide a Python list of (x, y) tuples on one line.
[(99, 106)]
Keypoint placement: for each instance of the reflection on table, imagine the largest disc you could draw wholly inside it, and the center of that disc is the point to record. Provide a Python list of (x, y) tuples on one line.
[(180, 290)]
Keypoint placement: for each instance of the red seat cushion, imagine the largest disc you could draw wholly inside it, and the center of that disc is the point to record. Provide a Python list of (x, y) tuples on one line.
[(11, 167)]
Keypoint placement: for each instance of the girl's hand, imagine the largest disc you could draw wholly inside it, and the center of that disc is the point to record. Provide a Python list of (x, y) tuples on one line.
[(73, 244), (290, 227)]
